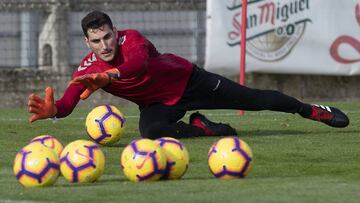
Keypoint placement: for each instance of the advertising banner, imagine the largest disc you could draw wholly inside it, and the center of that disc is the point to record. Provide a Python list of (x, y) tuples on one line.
[(285, 36)]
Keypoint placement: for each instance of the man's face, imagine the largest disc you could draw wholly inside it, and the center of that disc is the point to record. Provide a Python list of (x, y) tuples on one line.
[(102, 41)]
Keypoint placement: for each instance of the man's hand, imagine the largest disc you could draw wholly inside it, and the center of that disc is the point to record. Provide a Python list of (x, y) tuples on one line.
[(94, 81), (42, 108)]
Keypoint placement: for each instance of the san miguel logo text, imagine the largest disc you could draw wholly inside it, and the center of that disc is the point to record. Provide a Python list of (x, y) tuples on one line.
[(273, 27)]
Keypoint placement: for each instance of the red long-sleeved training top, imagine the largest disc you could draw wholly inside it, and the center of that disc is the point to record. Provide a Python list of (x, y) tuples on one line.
[(146, 75)]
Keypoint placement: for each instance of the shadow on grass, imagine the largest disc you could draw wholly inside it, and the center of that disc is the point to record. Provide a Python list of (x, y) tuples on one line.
[(113, 180), (197, 178), (94, 184), (251, 133), (106, 181), (115, 145)]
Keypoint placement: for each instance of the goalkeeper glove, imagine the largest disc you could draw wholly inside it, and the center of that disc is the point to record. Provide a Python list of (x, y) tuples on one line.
[(42, 108), (94, 81)]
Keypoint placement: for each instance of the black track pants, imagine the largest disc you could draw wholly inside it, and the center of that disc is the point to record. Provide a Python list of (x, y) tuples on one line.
[(207, 90)]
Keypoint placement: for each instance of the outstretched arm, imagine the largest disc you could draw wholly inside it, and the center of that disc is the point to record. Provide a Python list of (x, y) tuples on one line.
[(47, 108), (94, 81)]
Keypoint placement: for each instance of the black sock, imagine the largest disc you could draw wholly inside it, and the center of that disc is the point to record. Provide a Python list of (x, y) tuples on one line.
[(175, 130), (305, 110)]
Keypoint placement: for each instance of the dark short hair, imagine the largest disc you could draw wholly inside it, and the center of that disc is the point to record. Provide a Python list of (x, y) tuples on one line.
[(94, 20)]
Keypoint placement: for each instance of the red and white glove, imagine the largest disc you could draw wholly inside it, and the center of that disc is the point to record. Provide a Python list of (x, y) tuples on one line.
[(94, 81), (42, 108)]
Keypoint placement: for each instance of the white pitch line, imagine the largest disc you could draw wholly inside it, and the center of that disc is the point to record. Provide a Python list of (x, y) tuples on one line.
[(83, 118), (20, 201), (137, 116)]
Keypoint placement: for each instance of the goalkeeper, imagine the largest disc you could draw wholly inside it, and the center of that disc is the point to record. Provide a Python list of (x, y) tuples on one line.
[(164, 86)]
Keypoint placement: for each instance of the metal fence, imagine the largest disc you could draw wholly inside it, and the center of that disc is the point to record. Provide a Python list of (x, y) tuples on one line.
[(47, 34)]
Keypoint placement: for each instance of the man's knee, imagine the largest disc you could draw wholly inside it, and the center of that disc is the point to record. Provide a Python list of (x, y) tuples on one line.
[(153, 131)]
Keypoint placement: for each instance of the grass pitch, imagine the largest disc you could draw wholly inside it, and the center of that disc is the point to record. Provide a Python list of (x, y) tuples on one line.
[(295, 160)]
